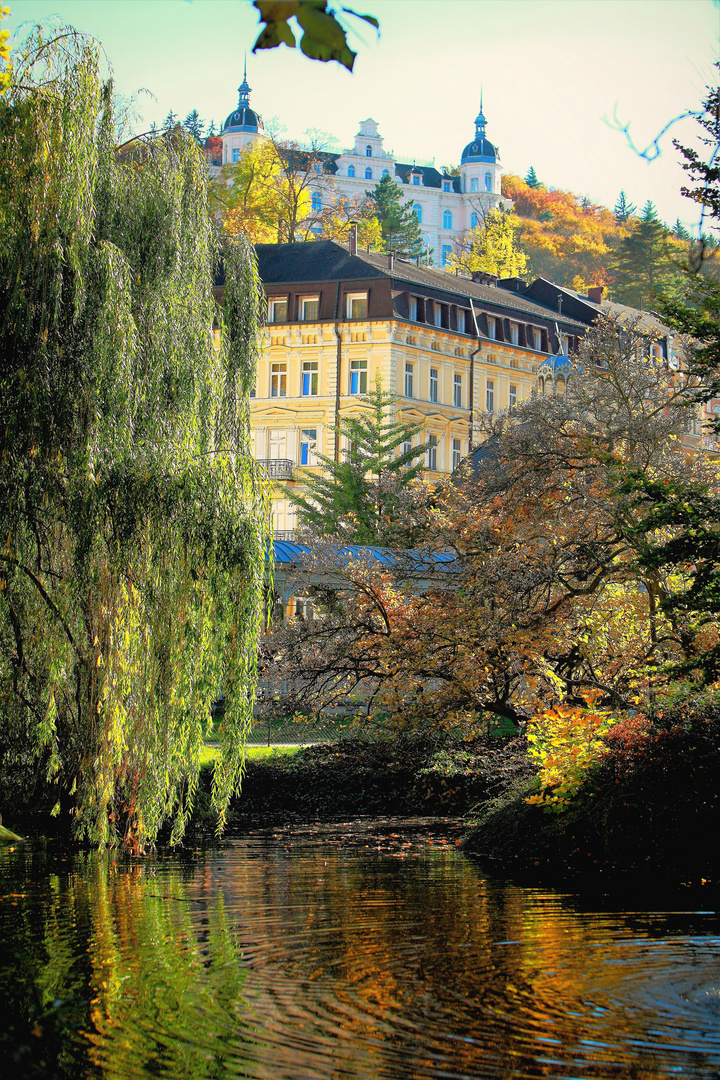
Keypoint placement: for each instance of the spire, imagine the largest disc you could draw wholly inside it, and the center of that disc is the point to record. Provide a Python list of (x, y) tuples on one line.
[(480, 120), (244, 91)]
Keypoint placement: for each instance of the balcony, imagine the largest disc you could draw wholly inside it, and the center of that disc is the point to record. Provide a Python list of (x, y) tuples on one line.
[(285, 534), (278, 468)]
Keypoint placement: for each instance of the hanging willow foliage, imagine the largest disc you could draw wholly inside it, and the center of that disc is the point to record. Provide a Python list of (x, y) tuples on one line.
[(132, 522)]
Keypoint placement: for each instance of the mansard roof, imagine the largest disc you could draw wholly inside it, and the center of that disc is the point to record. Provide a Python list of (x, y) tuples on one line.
[(430, 177)]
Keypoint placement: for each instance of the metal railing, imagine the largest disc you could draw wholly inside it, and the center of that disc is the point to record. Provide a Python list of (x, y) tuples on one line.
[(278, 468), (285, 534)]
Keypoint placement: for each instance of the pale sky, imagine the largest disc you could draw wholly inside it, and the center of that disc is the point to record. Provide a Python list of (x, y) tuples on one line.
[(553, 72)]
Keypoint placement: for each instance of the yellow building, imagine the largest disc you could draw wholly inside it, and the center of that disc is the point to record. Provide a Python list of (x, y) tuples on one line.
[(448, 347)]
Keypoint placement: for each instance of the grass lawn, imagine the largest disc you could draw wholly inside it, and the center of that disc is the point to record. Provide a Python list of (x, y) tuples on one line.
[(253, 753)]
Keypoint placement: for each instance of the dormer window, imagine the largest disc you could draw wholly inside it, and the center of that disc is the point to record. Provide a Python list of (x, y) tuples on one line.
[(416, 179), (447, 186), (308, 308), (357, 305), (368, 151), (351, 170), (277, 310)]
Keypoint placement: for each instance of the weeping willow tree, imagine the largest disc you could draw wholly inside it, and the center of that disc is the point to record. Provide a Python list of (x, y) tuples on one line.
[(132, 522)]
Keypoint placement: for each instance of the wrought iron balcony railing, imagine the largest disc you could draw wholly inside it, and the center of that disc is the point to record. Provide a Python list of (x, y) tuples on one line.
[(278, 468)]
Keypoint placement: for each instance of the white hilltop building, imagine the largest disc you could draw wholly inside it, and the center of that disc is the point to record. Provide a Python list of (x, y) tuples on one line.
[(446, 205)]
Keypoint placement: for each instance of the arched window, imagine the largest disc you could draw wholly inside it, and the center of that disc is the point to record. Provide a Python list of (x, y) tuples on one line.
[(368, 174), (351, 170), (447, 219), (368, 151), (385, 172), (488, 181), (316, 201), (474, 220), (417, 211)]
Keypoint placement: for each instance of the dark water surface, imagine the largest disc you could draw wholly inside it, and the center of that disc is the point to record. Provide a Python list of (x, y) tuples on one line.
[(342, 951)]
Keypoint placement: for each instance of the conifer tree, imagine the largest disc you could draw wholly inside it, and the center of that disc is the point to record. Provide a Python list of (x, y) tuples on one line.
[(643, 266), (624, 209), (357, 499), (170, 121), (131, 571), (194, 125), (531, 179), (399, 224)]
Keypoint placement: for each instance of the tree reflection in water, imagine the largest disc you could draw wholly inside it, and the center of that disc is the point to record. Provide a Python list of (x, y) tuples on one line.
[(354, 953)]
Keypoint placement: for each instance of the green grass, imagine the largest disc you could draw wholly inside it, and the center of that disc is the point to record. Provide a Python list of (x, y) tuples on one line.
[(254, 753)]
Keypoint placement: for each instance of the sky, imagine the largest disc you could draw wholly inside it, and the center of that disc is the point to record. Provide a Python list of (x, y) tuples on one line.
[(556, 77)]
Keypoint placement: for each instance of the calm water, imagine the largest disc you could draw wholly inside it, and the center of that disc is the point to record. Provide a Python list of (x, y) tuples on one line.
[(345, 951)]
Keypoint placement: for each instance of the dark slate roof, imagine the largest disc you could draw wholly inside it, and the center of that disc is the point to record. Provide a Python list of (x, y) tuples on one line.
[(326, 260), (243, 120), (479, 150), (430, 176)]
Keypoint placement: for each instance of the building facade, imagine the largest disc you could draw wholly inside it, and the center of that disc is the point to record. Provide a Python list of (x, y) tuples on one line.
[(447, 347), (446, 205)]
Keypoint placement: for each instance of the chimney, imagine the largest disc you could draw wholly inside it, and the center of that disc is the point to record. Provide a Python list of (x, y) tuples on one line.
[(595, 293), (391, 260), (353, 237)]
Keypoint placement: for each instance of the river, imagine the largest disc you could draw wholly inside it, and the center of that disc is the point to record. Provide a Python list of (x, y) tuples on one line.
[(360, 950)]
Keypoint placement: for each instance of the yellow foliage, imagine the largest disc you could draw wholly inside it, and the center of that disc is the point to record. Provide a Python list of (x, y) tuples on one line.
[(4, 52)]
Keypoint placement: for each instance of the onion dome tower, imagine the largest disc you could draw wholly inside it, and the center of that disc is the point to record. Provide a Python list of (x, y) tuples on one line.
[(480, 166), (242, 126)]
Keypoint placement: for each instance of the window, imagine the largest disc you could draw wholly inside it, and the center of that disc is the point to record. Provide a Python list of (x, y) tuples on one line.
[(438, 313), (409, 378), (236, 153), (474, 221), (351, 170), (446, 250), (316, 201), (456, 453), (358, 376), (492, 328), (447, 186), (490, 395), (512, 396), (278, 380), (277, 443), (357, 305), (432, 453), (368, 151), (407, 446), (514, 333), (309, 378), (457, 390), (433, 384), (277, 310), (474, 184), (368, 174), (447, 219), (488, 181), (308, 446), (530, 337), (308, 308), (417, 211), (385, 172), (413, 308), (416, 179)]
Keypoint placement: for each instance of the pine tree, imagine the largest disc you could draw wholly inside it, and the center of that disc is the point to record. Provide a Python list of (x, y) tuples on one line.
[(643, 266), (358, 498), (680, 231), (170, 121), (624, 210), (131, 571), (399, 224), (194, 125), (531, 179)]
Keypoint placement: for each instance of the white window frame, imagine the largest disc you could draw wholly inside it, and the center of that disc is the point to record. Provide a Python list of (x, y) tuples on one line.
[(278, 380), (474, 183), (358, 376), (303, 301), (456, 453), (457, 390), (489, 396), (432, 456), (308, 438), (434, 384), (512, 396), (514, 333), (409, 379), (309, 372), (275, 302), (413, 308), (350, 299)]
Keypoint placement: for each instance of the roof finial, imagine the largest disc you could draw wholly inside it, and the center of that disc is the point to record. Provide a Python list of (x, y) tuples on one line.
[(480, 121), (244, 90)]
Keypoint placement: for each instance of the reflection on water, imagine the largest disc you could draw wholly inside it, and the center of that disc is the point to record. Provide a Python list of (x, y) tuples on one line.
[(348, 951)]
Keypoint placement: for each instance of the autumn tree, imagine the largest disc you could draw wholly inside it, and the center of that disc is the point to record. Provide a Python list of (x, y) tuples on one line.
[(132, 517), (340, 212), (273, 194), (398, 222), (492, 248), (359, 498), (4, 52), (538, 596)]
